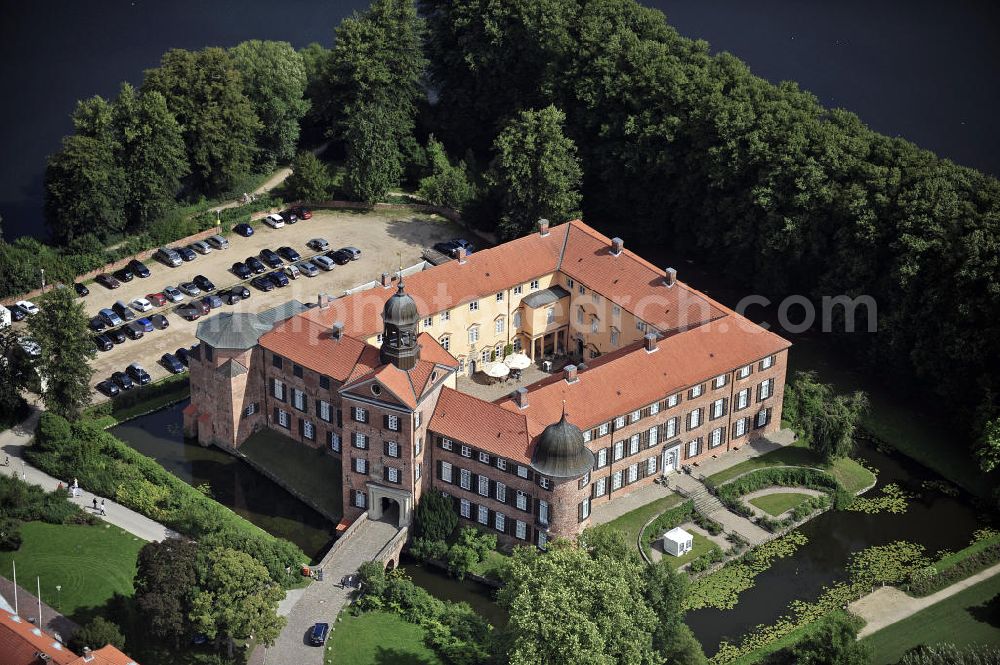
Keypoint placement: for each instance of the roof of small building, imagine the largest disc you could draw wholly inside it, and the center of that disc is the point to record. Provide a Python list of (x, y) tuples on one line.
[(678, 535), (242, 330), (544, 297)]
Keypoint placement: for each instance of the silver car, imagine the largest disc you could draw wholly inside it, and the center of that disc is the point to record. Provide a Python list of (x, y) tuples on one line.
[(190, 288), (218, 242), (307, 268), (324, 262), (201, 247)]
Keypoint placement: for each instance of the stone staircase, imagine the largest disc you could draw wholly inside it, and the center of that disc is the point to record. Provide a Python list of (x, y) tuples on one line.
[(704, 502)]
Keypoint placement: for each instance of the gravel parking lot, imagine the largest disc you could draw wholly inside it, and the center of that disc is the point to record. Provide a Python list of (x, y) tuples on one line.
[(384, 238)]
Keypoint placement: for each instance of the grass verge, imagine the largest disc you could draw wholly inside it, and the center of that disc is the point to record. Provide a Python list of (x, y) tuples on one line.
[(633, 521), (139, 401), (491, 566), (779, 502), (377, 638)]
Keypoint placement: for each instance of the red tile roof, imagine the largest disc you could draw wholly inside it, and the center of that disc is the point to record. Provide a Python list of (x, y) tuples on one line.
[(106, 655), (20, 642), (482, 424), (312, 345)]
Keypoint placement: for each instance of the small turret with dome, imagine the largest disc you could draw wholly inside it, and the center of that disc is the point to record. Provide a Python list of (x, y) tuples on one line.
[(560, 451), (399, 332)]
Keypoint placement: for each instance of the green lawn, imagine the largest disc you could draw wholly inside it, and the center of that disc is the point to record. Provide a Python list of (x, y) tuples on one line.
[(90, 563), (632, 522), (491, 566), (309, 471), (848, 473), (969, 617), (377, 638), (701, 545), (777, 503)]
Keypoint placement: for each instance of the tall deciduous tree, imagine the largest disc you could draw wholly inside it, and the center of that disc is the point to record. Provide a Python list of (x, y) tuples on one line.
[(835, 642), (16, 371), (374, 161), (60, 328), (205, 93), (319, 117), (165, 581), (448, 184), (827, 420), (988, 451), (274, 78), (96, 634), (310, 180), (536, 171)]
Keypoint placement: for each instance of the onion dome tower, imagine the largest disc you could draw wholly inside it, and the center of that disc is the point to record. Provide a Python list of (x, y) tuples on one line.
[(560, 452), (399, 332)]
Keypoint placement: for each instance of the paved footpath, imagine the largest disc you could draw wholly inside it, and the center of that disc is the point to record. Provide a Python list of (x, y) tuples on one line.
[(887, 605), (12, 444)]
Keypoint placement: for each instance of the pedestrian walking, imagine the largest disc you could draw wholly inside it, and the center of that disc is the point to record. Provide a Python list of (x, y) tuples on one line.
[(103, 512), (95, 504)]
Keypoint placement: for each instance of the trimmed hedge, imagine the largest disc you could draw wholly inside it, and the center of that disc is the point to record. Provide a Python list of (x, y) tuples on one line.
[(924, 585), (782, 476), (107, 466)]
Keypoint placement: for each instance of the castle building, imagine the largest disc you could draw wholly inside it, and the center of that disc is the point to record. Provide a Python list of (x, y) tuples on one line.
[(661, 376)]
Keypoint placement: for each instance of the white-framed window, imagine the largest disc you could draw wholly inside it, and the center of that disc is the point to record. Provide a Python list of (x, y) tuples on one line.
[(550, 315), (417, 470), (360, 499), (600, 486), (298, 399), (585, 480), (640, 326), (324, 411), (654, 435), (619, 422), (570, 283), (446, 472), (635, 416), (279, 390), (602, 457), (417, 418), (543, 512), (594, 324), (651, 465), (671, 427), (518, 289), (485, 355), (633, 444), (418, 446), (498, 352), (483, 516), (283, 418), (718, 408), (633, 473), (501, 464), (719, 381), (334, 442), (465, 508), (517, 318), (379, 338), (360, 465), (740, 427), (745, 371), (766, 388), (392, 422), (465, 479), (534, 285), (446, 315), (484, 486), (595, 296), (693, 447), (360, 441), (473, 334), (392, 474), (461, 365), (445, 342), (766, 363), (522, 471), (585, 508), (522, 500), (673, 400), (500, 296), (697, 391), (392, 449), (500, 492), (250, 409), (544, 482), (762, 417), (616, 480), (309, 430), (579, 315), (586, 436), (520, 529), (614, 336), (484, 457), (474, 306), (654, 408), (743, 399), (428, 322), (360, 415), (619, 450), (499, 521), (466, 451), (616, 310), (694, 419), (602, 429), (581, 289), (543, 539), (447, 444), (715, 438), (498, 325)]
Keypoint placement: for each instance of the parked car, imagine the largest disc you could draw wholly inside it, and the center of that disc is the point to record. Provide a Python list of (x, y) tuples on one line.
[(188, 312), (133, 330), (31, 347), (16, 313), (201, 247), (307, 268), (97, 324), (289, 217), (186, 253), (201, 306), (292, 271), (318, 244), (213, 301), (274, 220), (141, 305), (240, 270), (263, 283), (139, 268), (256, 265), (203, 283), (229, 297), (447, 248), (303, 212), (124, 274), (168, 256), (123, 310), (173, 294), (138, 374), (279, 278), (340, 257), (157, 299), (465, 244), (110, 317), (271, 258), (354, 252), (318, 634), (323, 262), (147, 325), (172, 364), (103, 342), (108, 388), (28, 306), (81, 290), (288, 254), (160, 321), (244, 230), (122, 380), (184, 355), (190, 288), (117, 335), (217, 242), (107, 281), (240, 290)]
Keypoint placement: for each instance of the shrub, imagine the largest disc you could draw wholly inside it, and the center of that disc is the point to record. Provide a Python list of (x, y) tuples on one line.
[(10, 534), (435, 517), (461, 559), (96, 634), (926, 584), (707, 523), (666, 521), (426, 549)]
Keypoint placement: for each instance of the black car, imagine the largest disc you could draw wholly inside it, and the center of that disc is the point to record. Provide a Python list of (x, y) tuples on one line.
[(160, 321), (123, 310), (188, 312), (318, 634), (240, 270), (138, 374), (262, 283), (230, 297), (117, 335), (288, 254), (17, 313), (124, 274), (255, 265), (271, 258), (203, 283), (139, 268), (289, 217), (123, 380), (340, 257), (103, 342), (212, 302), (279, 278), (108, 388), (187, 254), (446, 248), (97, 324), (107, 281), (244, 230), (183, 354), (240, 290), (171, 362), (81, 290), (134, 330)]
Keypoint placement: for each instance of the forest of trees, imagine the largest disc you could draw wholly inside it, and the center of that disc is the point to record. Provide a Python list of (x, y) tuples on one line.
[(547, 108)]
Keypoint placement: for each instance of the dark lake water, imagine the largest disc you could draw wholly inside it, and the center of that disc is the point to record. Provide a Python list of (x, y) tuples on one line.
[(916, 68), (234, 483)]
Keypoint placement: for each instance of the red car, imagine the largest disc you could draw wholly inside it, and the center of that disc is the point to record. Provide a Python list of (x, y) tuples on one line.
[(303, 213), (158, 299)]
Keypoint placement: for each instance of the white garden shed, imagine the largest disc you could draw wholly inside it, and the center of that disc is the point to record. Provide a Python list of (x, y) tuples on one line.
[(677, 541)]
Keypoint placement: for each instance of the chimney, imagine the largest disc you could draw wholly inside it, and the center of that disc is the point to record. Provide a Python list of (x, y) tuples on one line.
[(617, 245), (671, 277), (323, 300), (570, 372), (337, 331), (650, 342), (460, 254), (521, 398), (386, 280), (87, 655), (543, 227)]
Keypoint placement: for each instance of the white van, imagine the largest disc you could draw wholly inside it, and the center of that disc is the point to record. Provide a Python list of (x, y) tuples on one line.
[(274, 220)]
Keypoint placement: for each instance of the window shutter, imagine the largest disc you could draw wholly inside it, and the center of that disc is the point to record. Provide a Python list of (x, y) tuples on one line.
[(385, 473), (301, 426), (385, 422), (385, 447), (317, 408), (275, 415)]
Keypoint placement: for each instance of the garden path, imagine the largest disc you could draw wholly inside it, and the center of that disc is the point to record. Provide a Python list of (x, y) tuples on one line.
[(888, 604), (710, 506)]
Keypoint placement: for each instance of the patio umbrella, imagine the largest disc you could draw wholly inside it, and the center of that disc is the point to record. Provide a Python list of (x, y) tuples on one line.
[(517, 361), (496, 370)]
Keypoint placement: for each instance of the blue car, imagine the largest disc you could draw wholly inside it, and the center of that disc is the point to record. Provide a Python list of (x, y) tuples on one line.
[(244, 230), (146, 324)]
